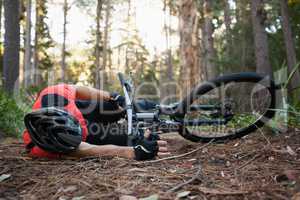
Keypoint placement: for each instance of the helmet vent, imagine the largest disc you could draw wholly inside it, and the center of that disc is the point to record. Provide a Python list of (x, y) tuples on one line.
[(60, 121)]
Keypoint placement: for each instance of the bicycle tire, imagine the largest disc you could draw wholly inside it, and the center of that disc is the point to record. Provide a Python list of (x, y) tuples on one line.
[(204, 88)]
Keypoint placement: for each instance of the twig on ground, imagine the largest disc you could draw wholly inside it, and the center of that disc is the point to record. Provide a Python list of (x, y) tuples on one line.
[(221, 191), (195, 177), (265, 137), (177, 156), (248, 162)]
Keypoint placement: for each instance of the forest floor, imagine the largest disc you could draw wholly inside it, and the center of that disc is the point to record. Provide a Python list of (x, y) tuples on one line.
[(255, 167)]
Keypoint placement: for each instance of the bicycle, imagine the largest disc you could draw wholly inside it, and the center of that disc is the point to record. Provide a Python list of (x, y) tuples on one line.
[(212, 110)]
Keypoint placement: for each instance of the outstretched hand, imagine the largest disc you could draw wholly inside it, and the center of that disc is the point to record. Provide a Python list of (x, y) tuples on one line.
[(162, 146)]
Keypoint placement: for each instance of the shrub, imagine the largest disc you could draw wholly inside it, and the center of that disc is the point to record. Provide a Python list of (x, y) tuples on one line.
[(11, 116)]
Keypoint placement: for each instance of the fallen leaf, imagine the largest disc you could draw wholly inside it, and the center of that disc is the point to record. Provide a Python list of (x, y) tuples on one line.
[(271, 158), (71, 188), (228, 164), (137, 170), (127, 197), (78, 198), (123, 191), (205, 150), (222, 174), (152, 197), (183, 194), (3, 177), (291, 151), (236, 144)]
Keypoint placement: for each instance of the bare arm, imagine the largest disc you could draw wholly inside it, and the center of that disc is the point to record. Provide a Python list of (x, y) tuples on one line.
[(89, 93), (86, 150)]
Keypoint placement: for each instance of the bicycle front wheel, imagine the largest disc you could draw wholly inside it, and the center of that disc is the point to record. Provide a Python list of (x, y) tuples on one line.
[(227, 107)]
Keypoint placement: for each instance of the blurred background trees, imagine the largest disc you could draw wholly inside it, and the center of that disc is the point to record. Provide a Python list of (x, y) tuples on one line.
[(198, 40)]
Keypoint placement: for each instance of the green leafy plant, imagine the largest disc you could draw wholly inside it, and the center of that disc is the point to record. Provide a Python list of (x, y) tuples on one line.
[(11, 116)]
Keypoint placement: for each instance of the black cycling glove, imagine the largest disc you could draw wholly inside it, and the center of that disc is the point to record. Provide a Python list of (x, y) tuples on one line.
[(118, 99), (145, 149)]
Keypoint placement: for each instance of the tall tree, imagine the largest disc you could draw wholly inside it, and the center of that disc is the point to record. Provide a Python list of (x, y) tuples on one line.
[(106, 32), (1, 7), (11, 44), (36, 43), (63, 52), (258, 14), (243, 35), (227, 21), (42, 42), (190, 71), (106, 49), (28, 50), (98, 44), (290, 47), (208, 41), (166, 78)]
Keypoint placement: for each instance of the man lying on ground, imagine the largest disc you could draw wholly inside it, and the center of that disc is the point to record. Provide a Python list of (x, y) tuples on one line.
[(69, 120)]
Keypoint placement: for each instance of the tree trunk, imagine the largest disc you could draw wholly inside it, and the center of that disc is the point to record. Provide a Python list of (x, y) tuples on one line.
[(168, 90), (36, 72), (227, 21), (167, 26), (208, 41), (63, 52), (290, 47), (106, 29), (98, 40), (242, 19), (258, 14), (27, 60), (189, 47), (11, 45), (1, 6), (105, 42)]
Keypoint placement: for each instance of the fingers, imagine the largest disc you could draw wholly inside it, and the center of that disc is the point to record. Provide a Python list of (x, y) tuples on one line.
[(163, 149), (162, 143)]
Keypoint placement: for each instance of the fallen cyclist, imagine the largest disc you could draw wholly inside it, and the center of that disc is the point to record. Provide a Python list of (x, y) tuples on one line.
[(78, 121)]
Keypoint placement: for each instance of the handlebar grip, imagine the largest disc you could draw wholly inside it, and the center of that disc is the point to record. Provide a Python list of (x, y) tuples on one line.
[(121, 78)]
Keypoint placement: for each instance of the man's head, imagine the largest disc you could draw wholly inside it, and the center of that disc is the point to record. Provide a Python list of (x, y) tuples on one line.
[(54, 130)]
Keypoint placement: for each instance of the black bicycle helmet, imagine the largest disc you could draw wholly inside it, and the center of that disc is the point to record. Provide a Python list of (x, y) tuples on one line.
[(54, 130)]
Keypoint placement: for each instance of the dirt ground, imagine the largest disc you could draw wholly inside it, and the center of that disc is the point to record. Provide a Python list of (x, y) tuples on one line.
[(256, 167)]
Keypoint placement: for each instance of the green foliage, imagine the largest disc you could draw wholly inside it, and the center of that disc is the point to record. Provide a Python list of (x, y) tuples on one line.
[(11, 118), (75, 69), (87, 5)]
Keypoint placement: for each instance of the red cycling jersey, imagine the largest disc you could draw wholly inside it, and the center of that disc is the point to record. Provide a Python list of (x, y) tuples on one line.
[(68, 92)]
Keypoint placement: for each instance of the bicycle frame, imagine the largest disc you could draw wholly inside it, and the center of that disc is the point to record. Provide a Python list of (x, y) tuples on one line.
[(137, 120)]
